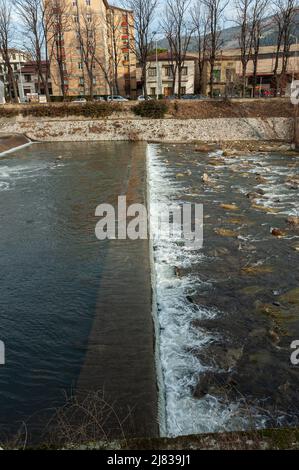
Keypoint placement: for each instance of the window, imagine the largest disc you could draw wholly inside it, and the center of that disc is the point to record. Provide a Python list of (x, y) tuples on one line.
[(76, 19), (168, 71), (80, 65), (126, 56), (27, 78), (168, 91), (75, 3), (229, 74), (153, 91), (94, 80), (88, 17), (183, 90), (152, 72), (88, 3), (81, 81), (185, 71), (217, 75)]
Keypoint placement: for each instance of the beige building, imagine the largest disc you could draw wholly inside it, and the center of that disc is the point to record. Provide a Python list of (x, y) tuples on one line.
[(18, 59), (228, 70), (160, 75), (89, 50)]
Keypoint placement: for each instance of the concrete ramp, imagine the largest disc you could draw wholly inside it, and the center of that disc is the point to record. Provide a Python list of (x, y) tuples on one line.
[(10, 142)]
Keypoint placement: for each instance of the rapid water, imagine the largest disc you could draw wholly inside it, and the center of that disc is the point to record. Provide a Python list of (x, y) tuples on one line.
[(225, 330)]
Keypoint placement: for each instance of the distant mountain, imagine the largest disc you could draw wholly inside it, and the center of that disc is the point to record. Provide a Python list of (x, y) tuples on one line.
[(229, 36)]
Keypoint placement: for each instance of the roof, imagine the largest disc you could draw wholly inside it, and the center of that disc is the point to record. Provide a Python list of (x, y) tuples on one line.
[(31, 67), (167, 56), (114, 7)]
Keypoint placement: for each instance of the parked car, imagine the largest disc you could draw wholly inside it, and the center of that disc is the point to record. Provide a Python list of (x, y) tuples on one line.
[(80, 100), (189, 97), (116, 98), (143, 98), (99, 98)]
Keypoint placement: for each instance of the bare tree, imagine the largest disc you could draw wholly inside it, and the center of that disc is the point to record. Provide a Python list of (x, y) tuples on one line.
[(284, 19), (6, 35), (178, 29), (87, 28), (200, 23), (215, 13), (33, 18), (57, 23), (258, 21), (114, 49), (141, 44), (244, 21)]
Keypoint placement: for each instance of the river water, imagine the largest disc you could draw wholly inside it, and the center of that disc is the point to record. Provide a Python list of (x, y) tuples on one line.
[(76, 312), (58, 283), (228, 313)]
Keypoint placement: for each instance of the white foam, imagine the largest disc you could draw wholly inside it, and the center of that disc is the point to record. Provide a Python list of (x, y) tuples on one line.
[(178, 338)]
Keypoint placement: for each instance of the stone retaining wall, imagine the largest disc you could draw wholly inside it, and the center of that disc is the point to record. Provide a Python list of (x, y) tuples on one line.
[(154, 130)]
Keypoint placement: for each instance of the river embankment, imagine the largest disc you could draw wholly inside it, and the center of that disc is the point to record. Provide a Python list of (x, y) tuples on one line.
[(218, 130), (181, 121)]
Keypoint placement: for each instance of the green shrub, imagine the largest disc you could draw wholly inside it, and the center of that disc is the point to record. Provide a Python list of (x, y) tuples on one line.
[(152, 109)]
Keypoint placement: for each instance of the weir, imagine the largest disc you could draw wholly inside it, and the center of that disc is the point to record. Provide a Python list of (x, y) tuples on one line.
[(120, 354)]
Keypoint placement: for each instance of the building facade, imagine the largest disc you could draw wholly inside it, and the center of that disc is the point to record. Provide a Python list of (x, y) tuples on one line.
[(162, 78), (228, 72), (89, 50), (30, 79), (18, 59)]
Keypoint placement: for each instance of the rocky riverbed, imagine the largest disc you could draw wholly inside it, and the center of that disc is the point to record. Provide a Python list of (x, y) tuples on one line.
[(229, 312)]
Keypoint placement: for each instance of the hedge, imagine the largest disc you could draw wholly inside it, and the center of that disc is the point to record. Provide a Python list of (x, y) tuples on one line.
[(92, 110), (152, 109)]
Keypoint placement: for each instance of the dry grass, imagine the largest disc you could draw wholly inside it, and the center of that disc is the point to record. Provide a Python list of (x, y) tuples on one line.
[(230, 109)]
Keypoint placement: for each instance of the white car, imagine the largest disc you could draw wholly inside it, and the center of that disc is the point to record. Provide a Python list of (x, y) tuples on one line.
[(80, 100), (143, 98), (116, 98)]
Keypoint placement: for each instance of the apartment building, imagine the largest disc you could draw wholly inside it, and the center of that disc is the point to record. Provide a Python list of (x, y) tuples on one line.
[(162, 79), (30, 80), (17, 59), (228, 71), (89, 50)]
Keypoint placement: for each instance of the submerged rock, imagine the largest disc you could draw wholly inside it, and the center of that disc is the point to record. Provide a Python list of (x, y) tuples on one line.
[(265, 208), (251, 290), (204, 148), (278, 233), (205, 178), (291, 297), (211, 383), (221, 251), (224, 232), (293, 220), (229, 207), (217, 162), (261, 180), (254, 270), (236, 221)]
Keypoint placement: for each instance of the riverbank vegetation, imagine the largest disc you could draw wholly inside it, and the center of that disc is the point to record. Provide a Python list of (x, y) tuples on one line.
[(168, 109)]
